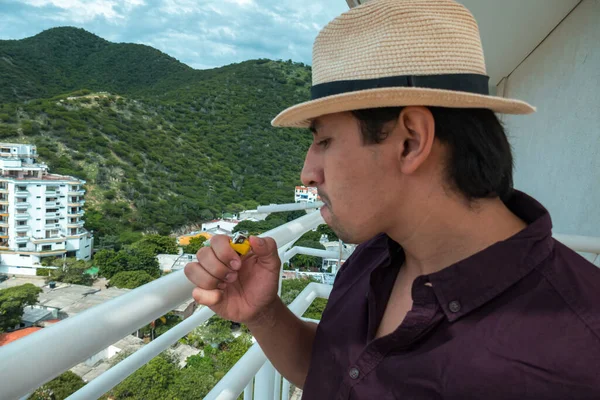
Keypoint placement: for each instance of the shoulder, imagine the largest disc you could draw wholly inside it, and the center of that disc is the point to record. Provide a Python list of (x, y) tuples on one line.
[(577, 282)]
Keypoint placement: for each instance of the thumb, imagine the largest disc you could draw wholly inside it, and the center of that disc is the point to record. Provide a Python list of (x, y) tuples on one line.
[(265, 249)]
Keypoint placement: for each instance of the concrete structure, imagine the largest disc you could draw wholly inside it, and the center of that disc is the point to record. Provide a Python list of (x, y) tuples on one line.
[(40, 213), (557, 149), (103, 360), (252, 215), (173, 262), (333, 264), (219, 227), (69, 300), (303, 194)]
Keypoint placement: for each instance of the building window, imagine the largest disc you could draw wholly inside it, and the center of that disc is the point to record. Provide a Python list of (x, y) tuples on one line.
[(22, 245), (47, 247)]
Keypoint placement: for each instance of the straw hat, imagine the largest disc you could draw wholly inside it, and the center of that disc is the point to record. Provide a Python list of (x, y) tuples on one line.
[(389, 53)]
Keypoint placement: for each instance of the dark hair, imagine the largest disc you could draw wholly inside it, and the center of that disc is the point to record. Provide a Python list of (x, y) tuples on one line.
[(480, 162)]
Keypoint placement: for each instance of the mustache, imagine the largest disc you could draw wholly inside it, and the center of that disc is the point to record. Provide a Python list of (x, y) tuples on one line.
[(323, 197)]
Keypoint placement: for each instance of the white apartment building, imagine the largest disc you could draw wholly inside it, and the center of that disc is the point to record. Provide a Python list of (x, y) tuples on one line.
[(304, 194), (40, 213)]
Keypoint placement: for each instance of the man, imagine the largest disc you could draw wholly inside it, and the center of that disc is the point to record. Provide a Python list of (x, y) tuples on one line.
[(458, 289)]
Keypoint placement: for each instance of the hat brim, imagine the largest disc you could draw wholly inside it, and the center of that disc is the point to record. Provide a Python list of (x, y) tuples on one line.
[(301, 115)]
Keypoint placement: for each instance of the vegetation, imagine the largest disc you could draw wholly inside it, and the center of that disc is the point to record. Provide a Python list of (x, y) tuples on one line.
[(59, 388), (12, 301), (161, 378), (195, 244), (69, 270), (130, 279), (111, 262), (161, 145), (291, 288)]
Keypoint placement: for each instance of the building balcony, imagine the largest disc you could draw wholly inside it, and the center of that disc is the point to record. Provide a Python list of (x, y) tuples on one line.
[(53, 214), (4, 223), (75, 224), (52, 226), (76, 204), (4, 201), (22, 205), (53, 239), (80, 192), (51, 204), (21, 216), (51, 192), (22, 228), (76, 214), (22, 193), (21, 239), (3, 235), (3, 190)]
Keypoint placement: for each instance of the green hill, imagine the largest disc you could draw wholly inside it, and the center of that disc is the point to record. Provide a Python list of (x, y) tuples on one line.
[(161, 145)]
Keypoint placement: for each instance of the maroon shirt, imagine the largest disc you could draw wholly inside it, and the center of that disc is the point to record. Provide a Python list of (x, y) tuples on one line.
[(518, 320)]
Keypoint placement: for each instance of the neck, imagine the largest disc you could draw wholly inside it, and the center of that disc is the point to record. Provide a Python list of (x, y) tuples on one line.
[(448, 230)]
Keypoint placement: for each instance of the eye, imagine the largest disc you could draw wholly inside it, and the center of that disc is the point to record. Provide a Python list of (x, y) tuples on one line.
[(324, 143)]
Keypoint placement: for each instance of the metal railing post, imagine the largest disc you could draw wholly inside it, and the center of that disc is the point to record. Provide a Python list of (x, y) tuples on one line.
[(265, 380)]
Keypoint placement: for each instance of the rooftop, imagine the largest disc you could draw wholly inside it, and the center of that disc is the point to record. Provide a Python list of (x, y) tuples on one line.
[(74, 299), (6, 338)]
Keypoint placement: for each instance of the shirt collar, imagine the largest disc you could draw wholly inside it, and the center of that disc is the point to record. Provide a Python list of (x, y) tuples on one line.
[(472, 282)]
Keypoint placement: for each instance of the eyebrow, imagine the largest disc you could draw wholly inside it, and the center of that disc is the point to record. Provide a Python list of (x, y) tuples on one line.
[(314, 126)]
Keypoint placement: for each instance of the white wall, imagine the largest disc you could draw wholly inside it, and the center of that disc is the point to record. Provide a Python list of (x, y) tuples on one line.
[(557, 149)]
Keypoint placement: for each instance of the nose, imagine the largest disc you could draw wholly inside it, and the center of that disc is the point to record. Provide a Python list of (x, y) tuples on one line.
[(312, 172)]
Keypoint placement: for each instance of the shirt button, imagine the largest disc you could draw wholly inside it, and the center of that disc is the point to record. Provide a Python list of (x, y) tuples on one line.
[(354, 373), (454, 306)]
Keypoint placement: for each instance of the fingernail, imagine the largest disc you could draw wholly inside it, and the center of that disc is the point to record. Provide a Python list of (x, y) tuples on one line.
[(222, 285), (261, 241), (230, 277), (235, 264)]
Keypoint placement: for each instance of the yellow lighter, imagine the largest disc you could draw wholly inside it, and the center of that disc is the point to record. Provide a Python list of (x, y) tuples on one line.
[(240, 243)]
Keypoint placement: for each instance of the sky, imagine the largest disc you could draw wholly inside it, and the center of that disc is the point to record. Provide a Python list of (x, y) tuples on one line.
[(200, 33)]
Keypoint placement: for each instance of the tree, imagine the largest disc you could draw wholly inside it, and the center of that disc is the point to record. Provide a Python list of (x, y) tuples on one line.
[(195, 244), (130, 279), (110, 262), (291, 288), (191, 384), (324, 229), (151, 382), (157, 244), (232, 352), (12, 301), (304, 260), (59, 388), (72, 271), (215, 331)]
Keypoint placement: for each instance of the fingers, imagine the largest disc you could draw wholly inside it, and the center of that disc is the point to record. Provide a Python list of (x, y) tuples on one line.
[(215, 268), (265, 248), (207, 297), (221, 246)]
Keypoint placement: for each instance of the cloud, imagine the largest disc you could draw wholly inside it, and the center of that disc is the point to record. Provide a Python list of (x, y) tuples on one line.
[(202, 34)]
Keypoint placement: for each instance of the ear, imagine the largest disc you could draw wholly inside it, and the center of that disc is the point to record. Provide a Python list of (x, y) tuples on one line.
[(416, 128)]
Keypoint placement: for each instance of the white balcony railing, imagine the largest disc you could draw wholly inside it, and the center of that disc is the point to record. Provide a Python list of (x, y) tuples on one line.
[(21, 205), (29, 362), (22, 228), (21, 216), (21, 193), (21, 239)]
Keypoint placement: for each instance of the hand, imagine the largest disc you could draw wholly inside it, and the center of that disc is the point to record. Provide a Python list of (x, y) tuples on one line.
[(237, 289)]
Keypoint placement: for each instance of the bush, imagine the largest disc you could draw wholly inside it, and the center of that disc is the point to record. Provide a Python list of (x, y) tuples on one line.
[(43, 271)]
